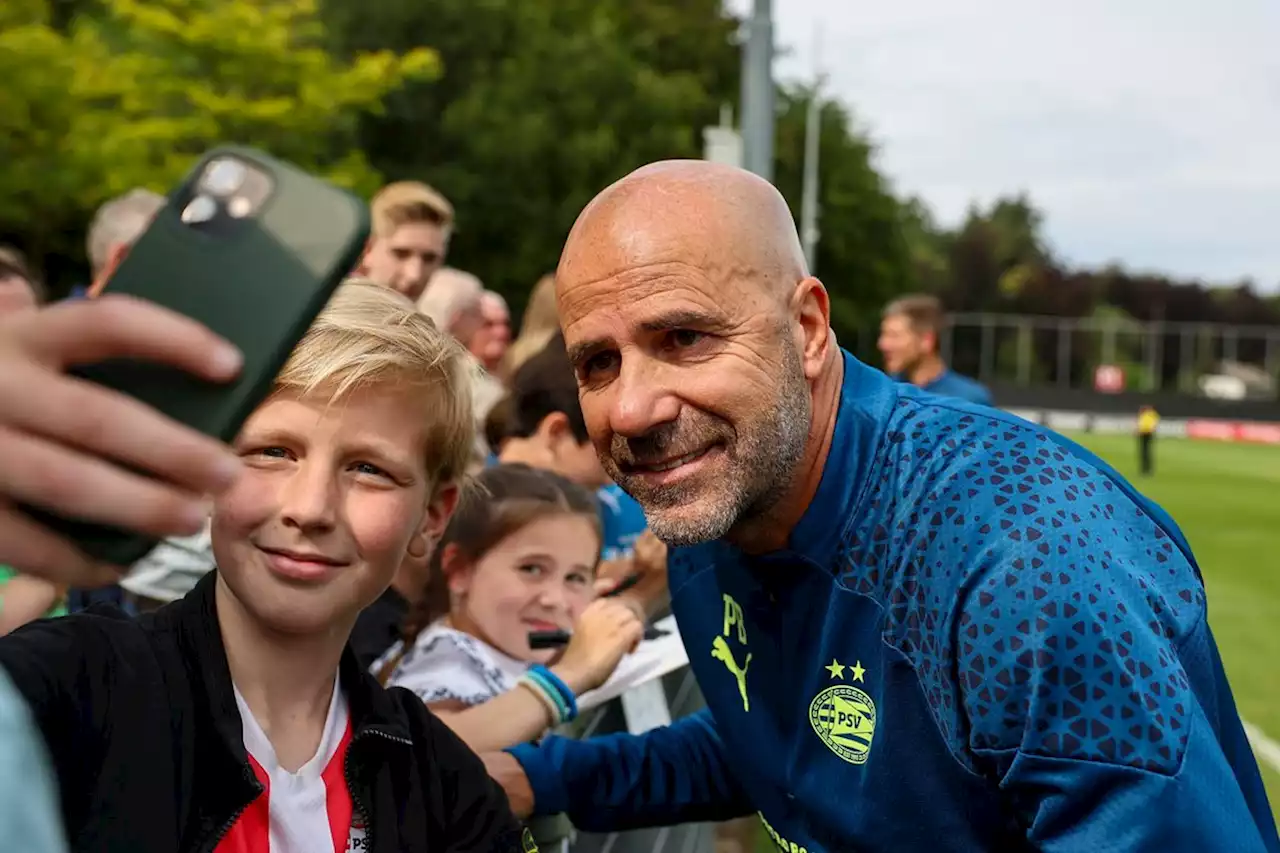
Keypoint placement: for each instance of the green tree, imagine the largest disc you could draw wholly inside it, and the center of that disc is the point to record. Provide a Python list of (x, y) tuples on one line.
[(540, 107), (131, 94), (862, 256)]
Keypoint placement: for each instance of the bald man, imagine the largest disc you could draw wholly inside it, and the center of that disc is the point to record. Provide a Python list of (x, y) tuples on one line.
[(919, 624)]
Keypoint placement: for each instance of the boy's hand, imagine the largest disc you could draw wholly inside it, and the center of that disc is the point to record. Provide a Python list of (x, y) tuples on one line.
[(63, 440)]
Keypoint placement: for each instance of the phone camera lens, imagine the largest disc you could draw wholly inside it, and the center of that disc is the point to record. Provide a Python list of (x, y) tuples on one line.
[(200, 210), (223, 177)]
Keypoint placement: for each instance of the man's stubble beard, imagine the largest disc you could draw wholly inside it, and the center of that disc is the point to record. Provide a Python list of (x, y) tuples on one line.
[(763, 465)]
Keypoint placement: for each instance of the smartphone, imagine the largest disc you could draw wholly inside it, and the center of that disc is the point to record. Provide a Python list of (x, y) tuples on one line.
[(252, 248)]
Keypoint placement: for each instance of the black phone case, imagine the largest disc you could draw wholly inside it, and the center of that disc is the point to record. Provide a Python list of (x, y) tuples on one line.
[(260, 286)]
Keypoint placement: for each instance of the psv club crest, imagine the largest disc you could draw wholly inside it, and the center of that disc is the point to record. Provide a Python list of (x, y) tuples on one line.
[(843, 716)]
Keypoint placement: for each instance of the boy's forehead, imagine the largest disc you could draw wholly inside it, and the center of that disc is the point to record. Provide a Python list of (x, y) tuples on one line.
[(390, 417)]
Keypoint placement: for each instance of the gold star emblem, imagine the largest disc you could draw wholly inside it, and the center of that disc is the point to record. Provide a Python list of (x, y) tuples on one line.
[(856, 671), (836, 669)]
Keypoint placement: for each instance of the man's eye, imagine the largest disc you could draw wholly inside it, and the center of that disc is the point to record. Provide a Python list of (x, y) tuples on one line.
[(598, 362), (366, 468), (685, 337), (274, 452)]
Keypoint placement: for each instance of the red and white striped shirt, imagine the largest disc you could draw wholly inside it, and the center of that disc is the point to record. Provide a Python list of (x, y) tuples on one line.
[(309, 811)]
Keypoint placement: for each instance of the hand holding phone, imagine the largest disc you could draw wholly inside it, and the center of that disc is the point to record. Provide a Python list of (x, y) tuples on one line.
[(248, 246), (63, 441)]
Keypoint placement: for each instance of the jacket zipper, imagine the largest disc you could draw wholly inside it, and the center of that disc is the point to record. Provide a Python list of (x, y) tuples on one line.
[(351, 787), (235, 816)]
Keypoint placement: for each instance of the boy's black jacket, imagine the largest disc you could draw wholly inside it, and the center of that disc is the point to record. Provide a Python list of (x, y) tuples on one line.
[(141, 721)]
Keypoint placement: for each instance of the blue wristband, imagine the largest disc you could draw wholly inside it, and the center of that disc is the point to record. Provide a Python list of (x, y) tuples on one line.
[(553, 681), (550, 693)]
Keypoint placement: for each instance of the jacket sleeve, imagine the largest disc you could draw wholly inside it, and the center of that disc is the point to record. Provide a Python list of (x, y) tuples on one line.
[(476, 817), (1101, 710), (666, 776)]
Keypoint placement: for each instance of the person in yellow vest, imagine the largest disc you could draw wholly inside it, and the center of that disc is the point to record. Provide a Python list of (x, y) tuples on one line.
[(1148, 420)]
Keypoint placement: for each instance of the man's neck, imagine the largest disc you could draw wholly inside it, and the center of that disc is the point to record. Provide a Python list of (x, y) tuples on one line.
[(927, 370), (287, 681), (771, 531)]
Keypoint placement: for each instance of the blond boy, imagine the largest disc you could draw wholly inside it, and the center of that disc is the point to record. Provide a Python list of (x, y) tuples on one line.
[(412, 224), (234, 719)]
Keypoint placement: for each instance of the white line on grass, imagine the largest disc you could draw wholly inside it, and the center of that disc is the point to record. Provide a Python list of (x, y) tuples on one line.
[(1264, 747)]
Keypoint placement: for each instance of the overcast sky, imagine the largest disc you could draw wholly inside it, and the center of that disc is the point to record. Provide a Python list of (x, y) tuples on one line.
[(1148, 131)]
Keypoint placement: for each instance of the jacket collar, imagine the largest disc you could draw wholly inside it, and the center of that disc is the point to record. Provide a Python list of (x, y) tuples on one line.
[(224, 782)]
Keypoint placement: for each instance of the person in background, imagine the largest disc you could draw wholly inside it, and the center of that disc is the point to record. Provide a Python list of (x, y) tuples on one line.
[(20, 289), (411, 225), (545, 429), (538, 324), (234, 720), (491, 341), (909, 334), (23, 598), (519, 555), (453, 301), (1148, 423), (115, 227)]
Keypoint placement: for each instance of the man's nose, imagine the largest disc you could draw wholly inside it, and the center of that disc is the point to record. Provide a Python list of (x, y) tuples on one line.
[(643, 399), (310, 498)]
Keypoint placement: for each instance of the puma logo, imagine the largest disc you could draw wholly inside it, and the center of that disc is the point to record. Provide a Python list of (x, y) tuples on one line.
[(720, 651)]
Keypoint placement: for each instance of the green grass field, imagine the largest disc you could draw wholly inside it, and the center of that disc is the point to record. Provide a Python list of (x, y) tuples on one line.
[(1226, 498)]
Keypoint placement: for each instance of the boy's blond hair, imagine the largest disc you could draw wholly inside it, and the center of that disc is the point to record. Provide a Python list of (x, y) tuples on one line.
[(408, 201), (371, 335)]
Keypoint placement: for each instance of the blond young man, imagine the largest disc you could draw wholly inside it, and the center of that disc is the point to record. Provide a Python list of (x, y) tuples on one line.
[(412, 224), (234, 719)]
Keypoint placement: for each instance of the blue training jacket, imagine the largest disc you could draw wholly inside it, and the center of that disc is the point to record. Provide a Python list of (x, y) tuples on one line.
[(980, 637)]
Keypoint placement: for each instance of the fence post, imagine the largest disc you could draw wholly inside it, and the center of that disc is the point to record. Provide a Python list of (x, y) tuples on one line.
[(1271, 361), (1064, 353), (1024, 352), (1155, 356), (988, 345)]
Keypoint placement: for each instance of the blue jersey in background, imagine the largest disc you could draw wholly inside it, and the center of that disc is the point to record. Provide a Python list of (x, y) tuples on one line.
[(623, 521), (951, 384)]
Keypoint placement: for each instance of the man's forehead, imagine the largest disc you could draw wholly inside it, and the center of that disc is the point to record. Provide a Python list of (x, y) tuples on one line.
[(634, 295)]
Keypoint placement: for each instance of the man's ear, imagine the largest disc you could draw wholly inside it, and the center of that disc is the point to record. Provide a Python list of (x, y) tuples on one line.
[(114, 257), (811, 307)]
